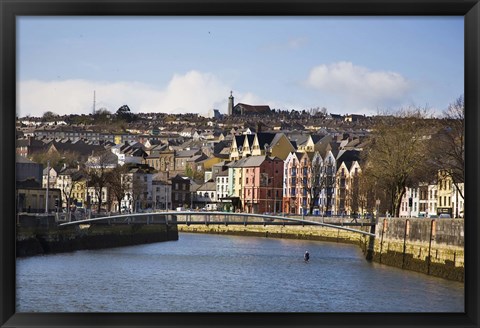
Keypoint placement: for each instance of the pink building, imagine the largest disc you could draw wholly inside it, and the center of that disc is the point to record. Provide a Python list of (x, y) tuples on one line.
[(262, 178), (297, 186)]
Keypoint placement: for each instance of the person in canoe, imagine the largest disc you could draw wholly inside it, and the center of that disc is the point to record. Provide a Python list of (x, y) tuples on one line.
[(306, 257)]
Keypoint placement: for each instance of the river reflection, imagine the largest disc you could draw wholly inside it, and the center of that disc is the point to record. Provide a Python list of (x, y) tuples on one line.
[(215, 273)]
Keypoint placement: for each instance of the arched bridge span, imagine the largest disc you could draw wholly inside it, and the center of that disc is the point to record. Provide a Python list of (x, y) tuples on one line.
[(223, 218)]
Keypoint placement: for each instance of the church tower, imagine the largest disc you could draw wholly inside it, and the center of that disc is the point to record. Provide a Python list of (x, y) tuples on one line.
[(230, 104)]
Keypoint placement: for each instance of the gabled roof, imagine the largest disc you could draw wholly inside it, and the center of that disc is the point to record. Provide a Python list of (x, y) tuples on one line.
[(250, 138), (255, 161), (253, 109), (197, 158), (239, 163), (79, 147), (45, 170), (239, 140), (187, 153), (208, 186), (75, 174), (310, 155), (194, 186), (348, 157), (301, 139), (266, 138), (219, 146), (223, 173)]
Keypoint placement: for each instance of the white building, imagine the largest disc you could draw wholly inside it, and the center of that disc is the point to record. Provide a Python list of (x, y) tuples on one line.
[(424, 200), (432, 199), (458, 202), (409, 207), (222, 183), (161, 194), (138, 194)]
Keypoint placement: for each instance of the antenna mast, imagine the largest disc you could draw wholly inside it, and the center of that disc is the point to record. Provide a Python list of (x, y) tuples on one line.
[(93, 102)]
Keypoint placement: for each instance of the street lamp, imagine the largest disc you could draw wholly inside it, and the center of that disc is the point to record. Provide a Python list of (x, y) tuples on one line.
[(48, 183), (165, 195), (191, 200), (129, 202)]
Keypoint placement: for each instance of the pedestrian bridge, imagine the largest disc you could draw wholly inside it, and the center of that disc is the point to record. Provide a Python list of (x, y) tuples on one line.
[(224, 218)]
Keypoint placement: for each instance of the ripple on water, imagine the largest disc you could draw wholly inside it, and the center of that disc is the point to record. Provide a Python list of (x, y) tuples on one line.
[(214, 273)]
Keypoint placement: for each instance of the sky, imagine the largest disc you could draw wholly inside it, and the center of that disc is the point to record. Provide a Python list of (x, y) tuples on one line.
[(349, 65)]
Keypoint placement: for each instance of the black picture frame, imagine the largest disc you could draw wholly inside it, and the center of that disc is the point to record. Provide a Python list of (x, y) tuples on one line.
[(10, 9)]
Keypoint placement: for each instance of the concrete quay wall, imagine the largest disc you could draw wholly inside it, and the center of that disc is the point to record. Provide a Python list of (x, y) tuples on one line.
[(409, 244), (42, 239)]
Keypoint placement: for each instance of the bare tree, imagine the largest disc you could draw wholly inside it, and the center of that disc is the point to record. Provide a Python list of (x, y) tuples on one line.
[(315, 180), (56, 159), (138, 190), (117, 186), (320, 177), (97, 170), (67, 189), (448, 144), (354, 197), (397, 153)]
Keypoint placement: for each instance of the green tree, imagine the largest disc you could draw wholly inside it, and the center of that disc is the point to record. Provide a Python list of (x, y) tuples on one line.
[(48, 116)]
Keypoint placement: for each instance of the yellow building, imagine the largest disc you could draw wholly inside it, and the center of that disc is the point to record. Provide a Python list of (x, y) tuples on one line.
[(445, 190)]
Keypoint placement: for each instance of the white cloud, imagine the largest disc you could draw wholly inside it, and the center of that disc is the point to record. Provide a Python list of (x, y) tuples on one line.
[(359, 87), (193, 92)]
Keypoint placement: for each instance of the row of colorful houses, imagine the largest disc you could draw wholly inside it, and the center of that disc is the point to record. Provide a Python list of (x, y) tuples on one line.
[(263, 173)]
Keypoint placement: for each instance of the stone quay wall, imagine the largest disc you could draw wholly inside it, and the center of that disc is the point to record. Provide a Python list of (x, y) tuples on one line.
[(43, 236), (433, 247)]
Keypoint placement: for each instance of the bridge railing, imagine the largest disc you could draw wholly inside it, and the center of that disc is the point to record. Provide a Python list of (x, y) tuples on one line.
[(192, 217)]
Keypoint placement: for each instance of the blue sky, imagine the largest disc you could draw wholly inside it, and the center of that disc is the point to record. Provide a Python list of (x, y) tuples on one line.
[(351, 65)]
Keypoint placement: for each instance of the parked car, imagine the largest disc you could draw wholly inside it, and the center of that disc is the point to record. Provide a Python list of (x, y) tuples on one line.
[(445, 216)]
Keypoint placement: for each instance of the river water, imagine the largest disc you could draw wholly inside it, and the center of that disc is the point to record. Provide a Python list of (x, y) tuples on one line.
[(217, 273)]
